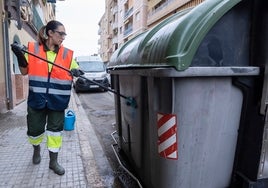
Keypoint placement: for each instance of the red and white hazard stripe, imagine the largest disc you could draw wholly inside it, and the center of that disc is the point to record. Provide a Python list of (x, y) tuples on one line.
[(167, 136)]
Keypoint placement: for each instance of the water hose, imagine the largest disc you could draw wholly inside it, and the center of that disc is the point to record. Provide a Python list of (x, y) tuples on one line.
[(130, 101)]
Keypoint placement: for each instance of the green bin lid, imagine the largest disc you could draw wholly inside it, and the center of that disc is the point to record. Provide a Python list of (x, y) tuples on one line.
[(174, 41)]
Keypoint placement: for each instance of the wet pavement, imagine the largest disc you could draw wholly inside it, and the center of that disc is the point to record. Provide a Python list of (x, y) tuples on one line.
[(84, 168)]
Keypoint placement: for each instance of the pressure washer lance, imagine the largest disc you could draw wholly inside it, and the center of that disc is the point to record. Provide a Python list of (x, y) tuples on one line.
[(130, 101)]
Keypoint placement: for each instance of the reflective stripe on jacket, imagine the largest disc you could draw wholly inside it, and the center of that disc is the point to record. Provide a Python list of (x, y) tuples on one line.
[(49, 89)]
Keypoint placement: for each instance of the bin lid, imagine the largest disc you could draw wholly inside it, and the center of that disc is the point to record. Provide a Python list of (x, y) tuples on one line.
[(174, 41)]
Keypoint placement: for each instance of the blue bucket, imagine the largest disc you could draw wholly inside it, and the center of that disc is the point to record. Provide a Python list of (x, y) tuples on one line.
[(69, 121)]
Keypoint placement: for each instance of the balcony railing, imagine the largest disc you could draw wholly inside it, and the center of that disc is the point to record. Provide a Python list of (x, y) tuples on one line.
[(114, 26), (128, 30), (115, 40), (115, 9), (128, 13), (160, 7)]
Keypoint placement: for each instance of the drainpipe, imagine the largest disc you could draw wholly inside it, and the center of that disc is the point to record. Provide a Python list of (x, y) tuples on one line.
[(9, 96)]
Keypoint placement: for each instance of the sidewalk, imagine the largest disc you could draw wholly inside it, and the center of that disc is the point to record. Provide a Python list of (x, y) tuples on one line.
[(76, 156)]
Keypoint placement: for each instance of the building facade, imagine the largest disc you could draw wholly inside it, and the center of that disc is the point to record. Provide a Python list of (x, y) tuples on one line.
[(21, 20), (104, 39), (124, 19)]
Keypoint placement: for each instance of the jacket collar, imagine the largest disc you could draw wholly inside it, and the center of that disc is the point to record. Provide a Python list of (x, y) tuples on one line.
[(56, 50)]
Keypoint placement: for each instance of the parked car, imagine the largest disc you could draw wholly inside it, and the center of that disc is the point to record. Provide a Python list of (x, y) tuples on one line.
[(95, 70)]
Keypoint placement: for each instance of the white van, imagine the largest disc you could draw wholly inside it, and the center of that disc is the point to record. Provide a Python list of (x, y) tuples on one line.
[(95, 70)]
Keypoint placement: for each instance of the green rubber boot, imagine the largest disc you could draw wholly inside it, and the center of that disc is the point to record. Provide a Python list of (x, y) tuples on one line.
[(36, 155), (54, 165)]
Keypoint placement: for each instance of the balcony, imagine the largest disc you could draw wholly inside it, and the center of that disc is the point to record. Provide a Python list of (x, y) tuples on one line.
[(128, 30), (115, 40), (115, 10), (114, 26), (128, 13), (37, 21)]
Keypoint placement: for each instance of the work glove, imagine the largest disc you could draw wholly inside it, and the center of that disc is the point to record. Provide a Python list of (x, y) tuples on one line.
[(17, 50), (77, 72)]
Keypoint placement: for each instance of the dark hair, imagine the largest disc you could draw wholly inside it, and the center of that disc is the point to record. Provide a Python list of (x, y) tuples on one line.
[(43, 32)]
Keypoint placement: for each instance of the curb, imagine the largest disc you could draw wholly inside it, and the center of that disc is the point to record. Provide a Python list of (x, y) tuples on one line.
[(88, 140)]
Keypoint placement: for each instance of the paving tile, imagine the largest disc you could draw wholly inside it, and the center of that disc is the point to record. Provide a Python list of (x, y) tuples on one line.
[(16, 168)]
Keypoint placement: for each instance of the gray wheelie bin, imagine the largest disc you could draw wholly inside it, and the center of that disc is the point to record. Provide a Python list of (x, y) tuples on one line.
[(197, 89)]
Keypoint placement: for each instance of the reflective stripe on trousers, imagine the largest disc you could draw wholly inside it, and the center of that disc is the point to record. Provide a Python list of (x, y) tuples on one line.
[(54, 140), (36, 140)]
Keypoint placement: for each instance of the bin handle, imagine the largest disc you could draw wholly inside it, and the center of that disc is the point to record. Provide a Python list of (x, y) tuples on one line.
[(70, 112)]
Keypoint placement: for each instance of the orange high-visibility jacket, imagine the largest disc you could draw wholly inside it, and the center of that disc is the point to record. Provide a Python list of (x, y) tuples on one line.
[(49, 89)]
